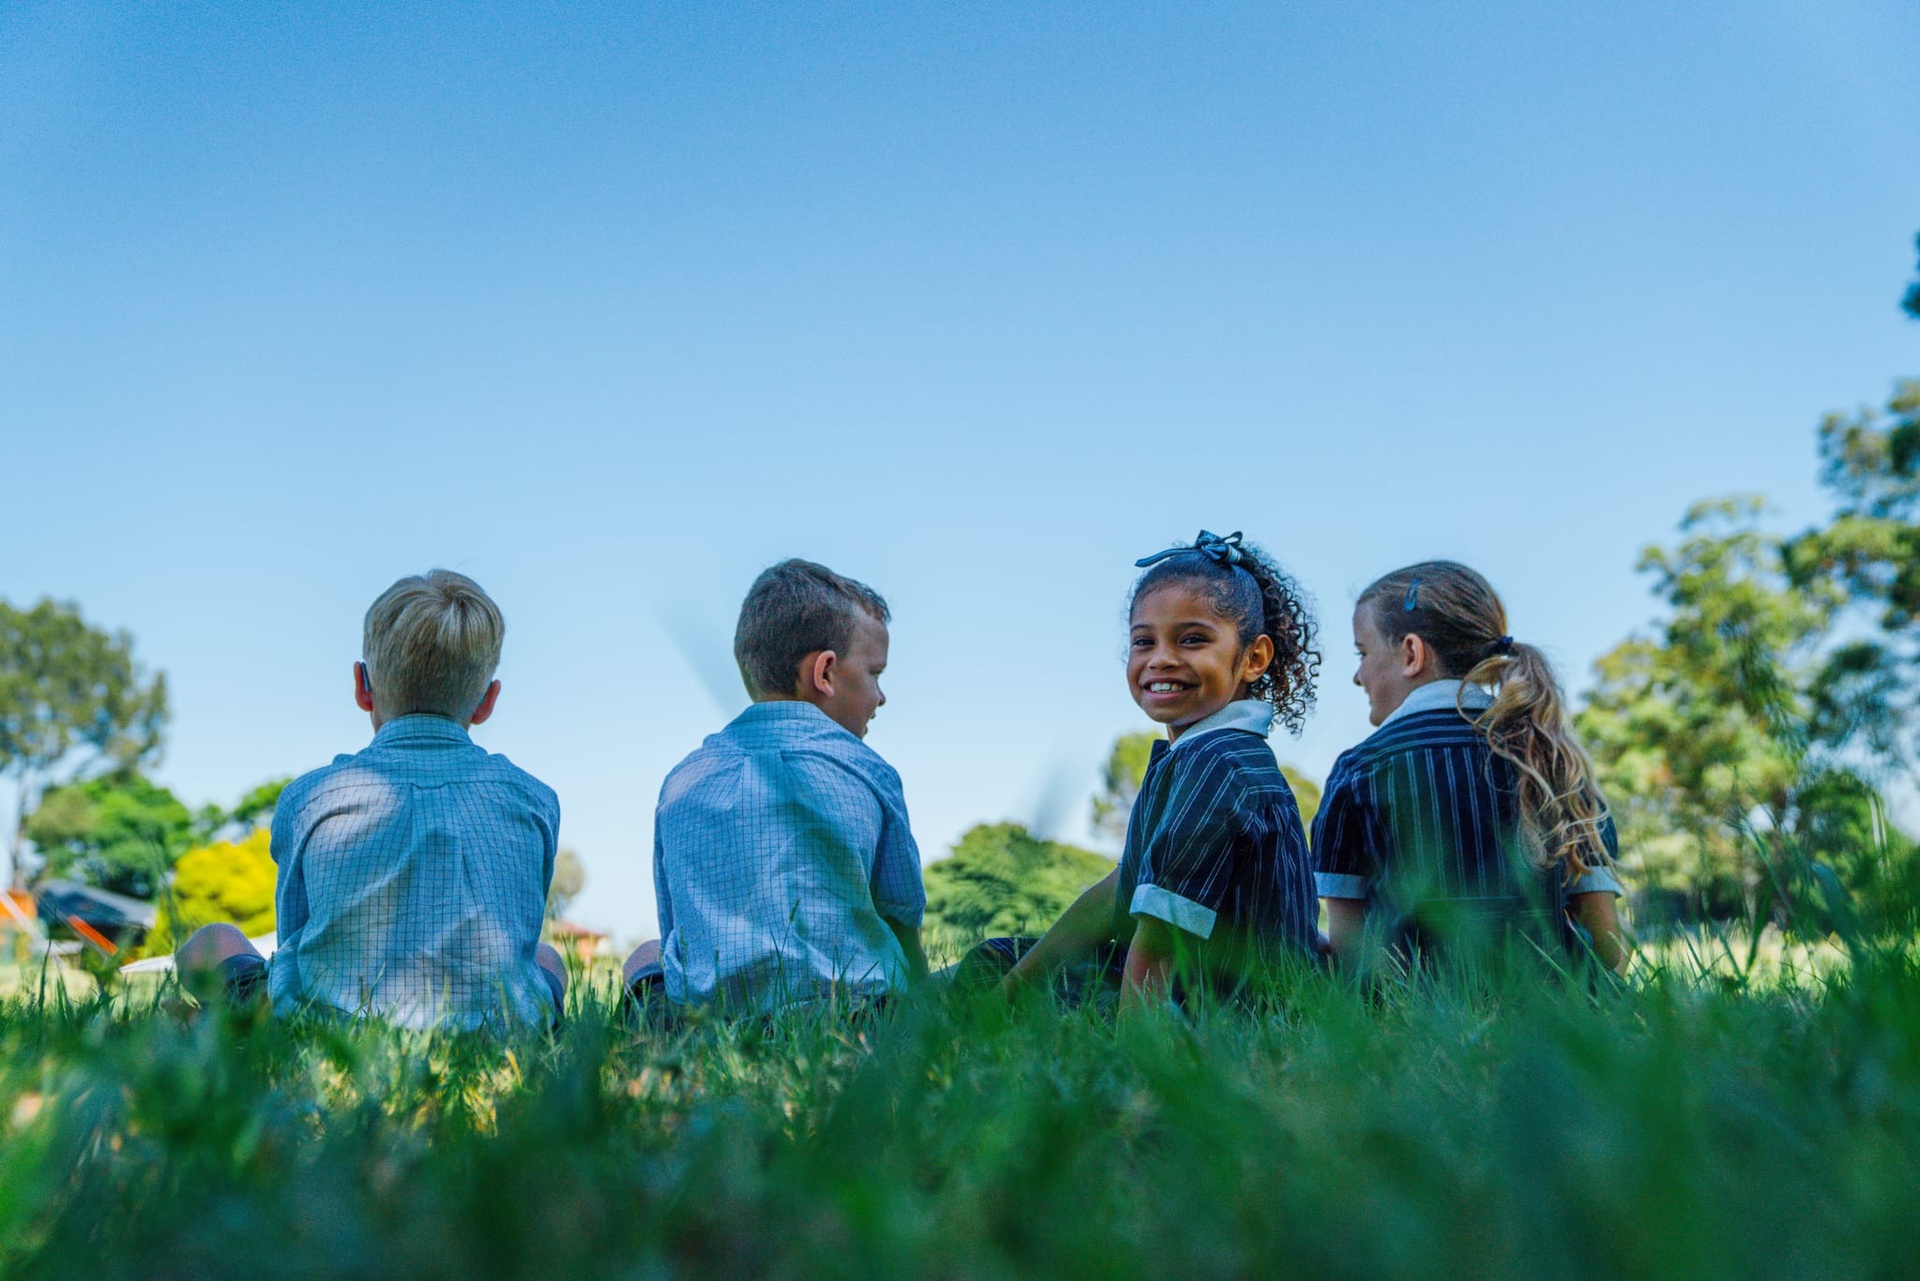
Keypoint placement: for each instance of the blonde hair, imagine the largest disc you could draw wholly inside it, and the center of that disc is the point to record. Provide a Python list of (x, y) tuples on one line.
[(1457, 612), (431, 644)]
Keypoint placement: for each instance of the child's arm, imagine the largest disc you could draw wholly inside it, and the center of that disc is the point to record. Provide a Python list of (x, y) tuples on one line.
[(1149, 980), (1346, 927), (1596, 913), (1084, 926), (909, 936), (1343, 843)]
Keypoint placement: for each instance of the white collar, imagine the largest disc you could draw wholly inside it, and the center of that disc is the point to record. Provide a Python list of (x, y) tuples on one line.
[(1441, 693), (1251, 714)]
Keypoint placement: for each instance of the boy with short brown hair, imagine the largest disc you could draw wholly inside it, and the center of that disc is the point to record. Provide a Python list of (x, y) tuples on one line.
[(783, 862)]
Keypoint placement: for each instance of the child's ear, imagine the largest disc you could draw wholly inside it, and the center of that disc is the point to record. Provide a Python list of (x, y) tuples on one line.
[(487, 701), (1416, 656), (816, 673), (1258, 658)]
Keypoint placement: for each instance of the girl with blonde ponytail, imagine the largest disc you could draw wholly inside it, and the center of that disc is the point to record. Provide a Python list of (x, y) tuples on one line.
[(1471, 809)]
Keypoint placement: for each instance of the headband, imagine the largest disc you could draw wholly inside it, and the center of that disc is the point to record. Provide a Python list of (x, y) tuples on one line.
[(1221, 551)]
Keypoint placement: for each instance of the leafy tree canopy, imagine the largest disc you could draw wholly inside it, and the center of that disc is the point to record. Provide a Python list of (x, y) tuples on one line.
[(120, 833), (1740, 719), (1120, 780), (72, 703), (1912, 300), (1002, 880), (253, 811), (125, 833)]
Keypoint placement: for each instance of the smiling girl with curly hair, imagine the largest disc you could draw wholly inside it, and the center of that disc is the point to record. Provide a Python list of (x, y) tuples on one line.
[(1216, 875)]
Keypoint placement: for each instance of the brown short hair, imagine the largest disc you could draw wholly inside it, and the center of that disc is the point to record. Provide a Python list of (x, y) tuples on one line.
[(431, 644), (794, 609)]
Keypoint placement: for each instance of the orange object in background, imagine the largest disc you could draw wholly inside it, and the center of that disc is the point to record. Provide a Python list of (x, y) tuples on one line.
[(92, 936), (16, 910), (581, 941)]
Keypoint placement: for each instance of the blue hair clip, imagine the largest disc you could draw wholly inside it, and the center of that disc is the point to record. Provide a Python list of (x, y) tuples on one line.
[(1413, 595), (1221, 551)]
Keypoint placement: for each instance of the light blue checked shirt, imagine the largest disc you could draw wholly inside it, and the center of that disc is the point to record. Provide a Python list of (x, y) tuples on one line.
[(779, 845), (413, 882)]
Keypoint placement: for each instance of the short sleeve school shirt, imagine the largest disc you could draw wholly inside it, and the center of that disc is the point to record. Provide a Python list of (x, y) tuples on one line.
[(780, 844), (1215, 845), (1422, 817), (412, 882)]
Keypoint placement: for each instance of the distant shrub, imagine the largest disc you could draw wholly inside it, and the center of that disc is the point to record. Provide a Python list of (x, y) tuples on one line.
[(222, 881), (1002, 880)]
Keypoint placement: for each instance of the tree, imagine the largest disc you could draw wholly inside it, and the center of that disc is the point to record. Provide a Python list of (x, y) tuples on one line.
[(120, 833), (1120, 780), (1871, 554), (1126, 769), (1737, 725), (253, 811), (73, 703), (1306, 794), (1002, 880), (221, 881), (1912, 301), (569, 878)]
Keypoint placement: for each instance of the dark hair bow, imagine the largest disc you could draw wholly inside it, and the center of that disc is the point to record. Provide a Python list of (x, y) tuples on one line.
[(1221, 551), (1503, 645)]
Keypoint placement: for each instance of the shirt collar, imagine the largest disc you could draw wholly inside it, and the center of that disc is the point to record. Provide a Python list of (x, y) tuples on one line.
[(421, 725), (796, 711), (1438, 694), (1250, 714)]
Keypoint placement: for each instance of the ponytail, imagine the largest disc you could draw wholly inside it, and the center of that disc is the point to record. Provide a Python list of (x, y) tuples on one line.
[(1458, 614)]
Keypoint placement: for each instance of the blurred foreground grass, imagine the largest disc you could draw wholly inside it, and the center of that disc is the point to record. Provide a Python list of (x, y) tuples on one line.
[(1679, 1127)]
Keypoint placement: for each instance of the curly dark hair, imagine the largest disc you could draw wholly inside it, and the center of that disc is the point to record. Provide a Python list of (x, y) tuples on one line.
[(1263, 600)]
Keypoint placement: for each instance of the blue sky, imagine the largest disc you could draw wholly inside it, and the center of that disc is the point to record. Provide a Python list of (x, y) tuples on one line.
[(612, 306)]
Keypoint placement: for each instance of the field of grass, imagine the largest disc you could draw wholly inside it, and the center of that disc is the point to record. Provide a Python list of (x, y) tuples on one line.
[(1678, 1127)]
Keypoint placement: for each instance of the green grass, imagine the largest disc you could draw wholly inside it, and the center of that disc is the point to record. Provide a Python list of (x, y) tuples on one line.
[(1678, 1128)]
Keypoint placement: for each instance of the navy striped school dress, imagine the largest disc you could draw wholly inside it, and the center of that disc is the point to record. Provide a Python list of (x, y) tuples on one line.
[(1421, 821), (1215, 846)]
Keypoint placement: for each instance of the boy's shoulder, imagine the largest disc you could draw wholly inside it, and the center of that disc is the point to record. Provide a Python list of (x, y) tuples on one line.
[(793, 736), (357, 769)]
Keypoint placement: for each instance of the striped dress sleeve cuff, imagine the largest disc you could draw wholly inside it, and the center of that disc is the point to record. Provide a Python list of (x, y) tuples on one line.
[(1181, 913), (1340, 885)]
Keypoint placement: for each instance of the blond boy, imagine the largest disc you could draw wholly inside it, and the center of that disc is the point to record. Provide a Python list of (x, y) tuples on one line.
[(412, 875)]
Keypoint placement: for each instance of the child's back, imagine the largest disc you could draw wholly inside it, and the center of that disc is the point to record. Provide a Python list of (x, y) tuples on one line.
[(414, 881), (1470, 815), (783, 863), (778, 845), (412, 875), (1424, 815)]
